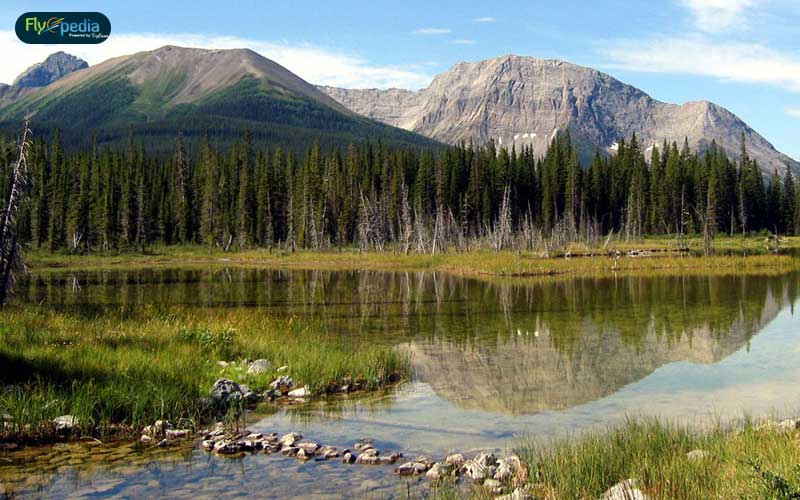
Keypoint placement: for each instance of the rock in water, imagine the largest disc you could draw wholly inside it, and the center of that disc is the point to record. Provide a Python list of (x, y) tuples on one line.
[(290, 439)]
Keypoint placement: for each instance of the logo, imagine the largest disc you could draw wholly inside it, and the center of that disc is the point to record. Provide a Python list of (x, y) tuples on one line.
[(63, 27)]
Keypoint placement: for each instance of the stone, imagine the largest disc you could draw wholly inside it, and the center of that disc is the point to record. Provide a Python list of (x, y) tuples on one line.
[(368, 457), (348, 457), (517, 494), (302, 392), (223, 364), (477, 470), (308, 446), (697, 455), (65, 422), (626, 490), (390, 459), (456, 460), (282, 383), (411, 469), (163, 443), (302, 454), (226, 392), (177, 433), (363, 444), (207, 444), (493, 486), (258, 367), (440, 470), (511, 469), (290, 451), (290, 439), (326, 452), (788, 424), (282, 368), (145, 439)]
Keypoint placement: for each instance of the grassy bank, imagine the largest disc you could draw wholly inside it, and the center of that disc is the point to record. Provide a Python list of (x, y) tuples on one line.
[(754, 463), (732, 255), (133, 366)]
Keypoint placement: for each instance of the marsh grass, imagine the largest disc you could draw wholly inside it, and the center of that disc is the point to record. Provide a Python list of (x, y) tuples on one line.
[(732, 255), (741, 463), (131, 366)]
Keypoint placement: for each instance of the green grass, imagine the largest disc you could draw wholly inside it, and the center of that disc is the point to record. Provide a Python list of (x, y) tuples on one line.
[(134, 365), (748, 464)]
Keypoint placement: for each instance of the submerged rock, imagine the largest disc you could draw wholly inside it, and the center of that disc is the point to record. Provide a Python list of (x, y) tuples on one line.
[(626, 490), (258, 367)]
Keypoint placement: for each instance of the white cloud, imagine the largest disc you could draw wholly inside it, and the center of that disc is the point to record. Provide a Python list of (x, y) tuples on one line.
[(314, 64), (484, 20), (698, 55), (432, 31), (719, 15), (795, 112), (462, 41)]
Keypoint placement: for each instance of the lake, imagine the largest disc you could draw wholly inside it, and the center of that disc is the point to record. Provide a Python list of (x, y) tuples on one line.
[(495, 361)]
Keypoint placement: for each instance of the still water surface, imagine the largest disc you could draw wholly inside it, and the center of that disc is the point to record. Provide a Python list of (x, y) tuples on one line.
[(495, 362)]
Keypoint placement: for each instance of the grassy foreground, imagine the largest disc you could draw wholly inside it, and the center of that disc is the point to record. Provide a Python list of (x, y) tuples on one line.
[(732, 255), (756, 462), (136, 365)]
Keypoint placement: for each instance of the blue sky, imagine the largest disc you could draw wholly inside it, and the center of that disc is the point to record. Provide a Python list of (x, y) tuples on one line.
[(742, 54)]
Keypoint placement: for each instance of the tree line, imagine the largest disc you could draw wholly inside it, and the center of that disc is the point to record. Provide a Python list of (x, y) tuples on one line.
[(376, 197)]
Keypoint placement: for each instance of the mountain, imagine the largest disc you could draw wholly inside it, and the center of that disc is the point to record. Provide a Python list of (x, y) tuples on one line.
[(525, 101), (191, 90), (51, 69)]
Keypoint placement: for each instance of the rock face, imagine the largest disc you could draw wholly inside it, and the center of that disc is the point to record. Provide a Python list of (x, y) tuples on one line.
[(525, 101), (51, 69)]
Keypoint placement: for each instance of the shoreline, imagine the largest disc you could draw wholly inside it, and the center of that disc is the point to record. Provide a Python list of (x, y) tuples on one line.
[(733, 256)]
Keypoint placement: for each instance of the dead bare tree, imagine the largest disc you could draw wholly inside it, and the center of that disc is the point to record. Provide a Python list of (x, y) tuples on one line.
[(10, 251)]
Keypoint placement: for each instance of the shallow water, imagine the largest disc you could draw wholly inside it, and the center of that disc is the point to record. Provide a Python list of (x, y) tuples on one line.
[(495, 362)]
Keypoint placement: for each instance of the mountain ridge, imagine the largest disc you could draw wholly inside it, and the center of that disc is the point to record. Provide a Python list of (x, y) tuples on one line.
[(521, 100), (193, 90)]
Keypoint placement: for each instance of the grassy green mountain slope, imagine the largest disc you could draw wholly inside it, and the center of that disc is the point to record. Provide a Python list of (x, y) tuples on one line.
[(191, 90)]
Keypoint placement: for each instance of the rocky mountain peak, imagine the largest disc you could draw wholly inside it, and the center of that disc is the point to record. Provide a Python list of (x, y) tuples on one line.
[(525, 101), (57, 65)]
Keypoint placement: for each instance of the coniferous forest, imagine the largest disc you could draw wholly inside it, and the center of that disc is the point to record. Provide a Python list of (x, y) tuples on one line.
[(377, 197)]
